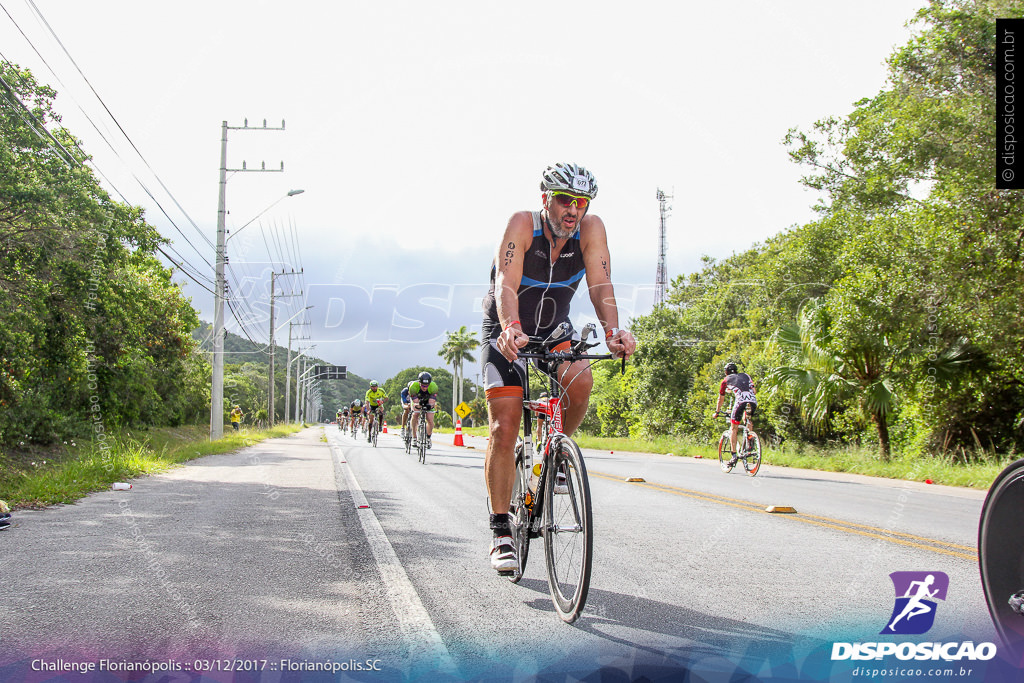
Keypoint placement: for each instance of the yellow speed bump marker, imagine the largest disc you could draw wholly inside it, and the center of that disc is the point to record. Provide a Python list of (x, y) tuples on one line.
[(780, 509), (635, 479)]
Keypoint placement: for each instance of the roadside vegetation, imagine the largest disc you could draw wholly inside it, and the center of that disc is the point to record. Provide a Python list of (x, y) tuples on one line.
[(62, 474), (891, 326)]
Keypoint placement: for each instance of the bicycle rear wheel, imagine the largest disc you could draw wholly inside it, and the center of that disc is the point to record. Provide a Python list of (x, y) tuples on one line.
[(752, 463), (519, 515), (1001, 554), (568, 530), (724, 454), (407, 435)]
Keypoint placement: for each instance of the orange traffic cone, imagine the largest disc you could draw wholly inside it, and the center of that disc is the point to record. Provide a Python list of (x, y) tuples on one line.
[(385, 429), (458, 432)]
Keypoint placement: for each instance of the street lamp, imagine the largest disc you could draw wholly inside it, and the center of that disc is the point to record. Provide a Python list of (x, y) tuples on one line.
[(219, 295), (291, 193)]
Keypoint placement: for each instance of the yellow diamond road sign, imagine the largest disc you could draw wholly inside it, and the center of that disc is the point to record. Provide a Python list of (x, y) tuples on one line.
[(462, 409)]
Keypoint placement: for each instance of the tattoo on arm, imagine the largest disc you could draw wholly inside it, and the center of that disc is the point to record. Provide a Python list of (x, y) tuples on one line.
[(510, 251), (604, 264)]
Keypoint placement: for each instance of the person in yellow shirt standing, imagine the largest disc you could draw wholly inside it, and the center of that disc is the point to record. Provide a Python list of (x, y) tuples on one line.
[(236, 418)]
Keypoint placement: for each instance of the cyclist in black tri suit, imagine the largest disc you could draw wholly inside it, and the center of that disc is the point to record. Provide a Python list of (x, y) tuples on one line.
[(541, 261), (741, 387)]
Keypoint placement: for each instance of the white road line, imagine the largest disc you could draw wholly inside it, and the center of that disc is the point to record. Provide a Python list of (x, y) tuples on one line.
[(417, 628)]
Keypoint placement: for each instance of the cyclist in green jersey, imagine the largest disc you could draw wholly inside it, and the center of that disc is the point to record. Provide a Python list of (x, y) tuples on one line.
[(375, 398), (422, 390)]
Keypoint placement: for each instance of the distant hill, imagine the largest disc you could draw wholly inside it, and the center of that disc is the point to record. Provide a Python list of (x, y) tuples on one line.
[(239, 350)]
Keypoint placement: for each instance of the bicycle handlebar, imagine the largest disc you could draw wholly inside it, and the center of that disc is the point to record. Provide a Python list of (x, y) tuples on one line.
[(538, 348)]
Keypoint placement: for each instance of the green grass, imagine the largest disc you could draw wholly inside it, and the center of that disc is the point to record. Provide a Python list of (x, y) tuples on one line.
[(64, 474), (940, 469)]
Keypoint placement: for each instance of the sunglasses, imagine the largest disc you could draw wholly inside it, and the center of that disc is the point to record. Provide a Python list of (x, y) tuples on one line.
[(567, 200)]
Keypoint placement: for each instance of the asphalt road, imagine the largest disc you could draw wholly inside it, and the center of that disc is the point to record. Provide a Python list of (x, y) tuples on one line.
[(339, 552)]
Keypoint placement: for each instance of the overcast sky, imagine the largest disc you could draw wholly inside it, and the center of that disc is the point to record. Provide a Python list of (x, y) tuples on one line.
[(416, 129)]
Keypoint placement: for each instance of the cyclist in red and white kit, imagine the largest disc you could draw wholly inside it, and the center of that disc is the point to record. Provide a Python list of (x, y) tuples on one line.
[(741, 386)]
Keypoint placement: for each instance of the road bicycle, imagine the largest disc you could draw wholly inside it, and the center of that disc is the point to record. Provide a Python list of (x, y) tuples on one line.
[(551, 494), (421, 432), (355, 426), (1001, 556), (749, 443), (375, 426)]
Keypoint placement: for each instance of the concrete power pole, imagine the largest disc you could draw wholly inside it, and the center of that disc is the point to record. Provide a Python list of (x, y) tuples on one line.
[(220, 283), (288, 372), (661, 279), (273, 297)]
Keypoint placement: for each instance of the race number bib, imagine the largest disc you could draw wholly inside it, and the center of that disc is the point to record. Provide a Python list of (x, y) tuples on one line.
[(580, 183)]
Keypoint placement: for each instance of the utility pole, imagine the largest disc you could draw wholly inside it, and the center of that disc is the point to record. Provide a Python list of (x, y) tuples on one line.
[(300, 392), (661, 278), (220, 283), (288, 372), (273, 297)]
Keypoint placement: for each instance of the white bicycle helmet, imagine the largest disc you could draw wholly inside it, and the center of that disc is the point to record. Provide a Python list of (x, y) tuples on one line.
[(569, 178)]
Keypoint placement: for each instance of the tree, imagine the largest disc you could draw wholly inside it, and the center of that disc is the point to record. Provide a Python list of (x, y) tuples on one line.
[(92, 326)]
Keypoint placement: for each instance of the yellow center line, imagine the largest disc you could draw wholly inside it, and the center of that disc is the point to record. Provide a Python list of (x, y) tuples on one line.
[(901, 538)]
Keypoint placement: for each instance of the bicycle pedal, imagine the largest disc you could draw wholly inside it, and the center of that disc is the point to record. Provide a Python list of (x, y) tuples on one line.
[(507, 572)]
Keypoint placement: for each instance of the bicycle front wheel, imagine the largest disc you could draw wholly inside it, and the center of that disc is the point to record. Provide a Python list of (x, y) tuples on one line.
[(1001, 554), (519, 515), (422, 442), (724, 453), (568, 528), (752, 463), (375, 431)]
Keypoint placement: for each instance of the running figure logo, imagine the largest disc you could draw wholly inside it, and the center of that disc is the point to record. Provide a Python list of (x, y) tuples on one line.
[(916, 595)]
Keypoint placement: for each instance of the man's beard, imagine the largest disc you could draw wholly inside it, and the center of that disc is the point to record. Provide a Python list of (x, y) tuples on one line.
[(558, 231)]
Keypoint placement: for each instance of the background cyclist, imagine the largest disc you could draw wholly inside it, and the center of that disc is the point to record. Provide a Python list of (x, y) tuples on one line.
[(375, 399), (356, 412), (541, 260), (741, 387), (423, 389), (406, 407)]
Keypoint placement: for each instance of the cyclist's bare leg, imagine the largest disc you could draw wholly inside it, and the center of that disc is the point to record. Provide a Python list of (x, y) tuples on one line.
[(415, 421), (734, 430), (405, 415), (579, 382), (504, 417), (430, 423)]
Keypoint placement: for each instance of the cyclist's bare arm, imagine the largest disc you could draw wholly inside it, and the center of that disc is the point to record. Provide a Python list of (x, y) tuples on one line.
[(598, 262), (508, 276)]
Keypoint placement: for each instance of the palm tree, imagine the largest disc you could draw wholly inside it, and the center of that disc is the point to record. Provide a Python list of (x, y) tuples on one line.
[(455, 351), (820, 378)]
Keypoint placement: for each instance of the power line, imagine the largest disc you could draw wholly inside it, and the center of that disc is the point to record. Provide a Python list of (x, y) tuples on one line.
[(36, 125), (103, 137), (182, 262), (32, 4)]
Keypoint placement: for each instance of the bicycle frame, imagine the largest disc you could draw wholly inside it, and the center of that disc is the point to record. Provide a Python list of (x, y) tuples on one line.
[(421, 429), (553, 499)]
